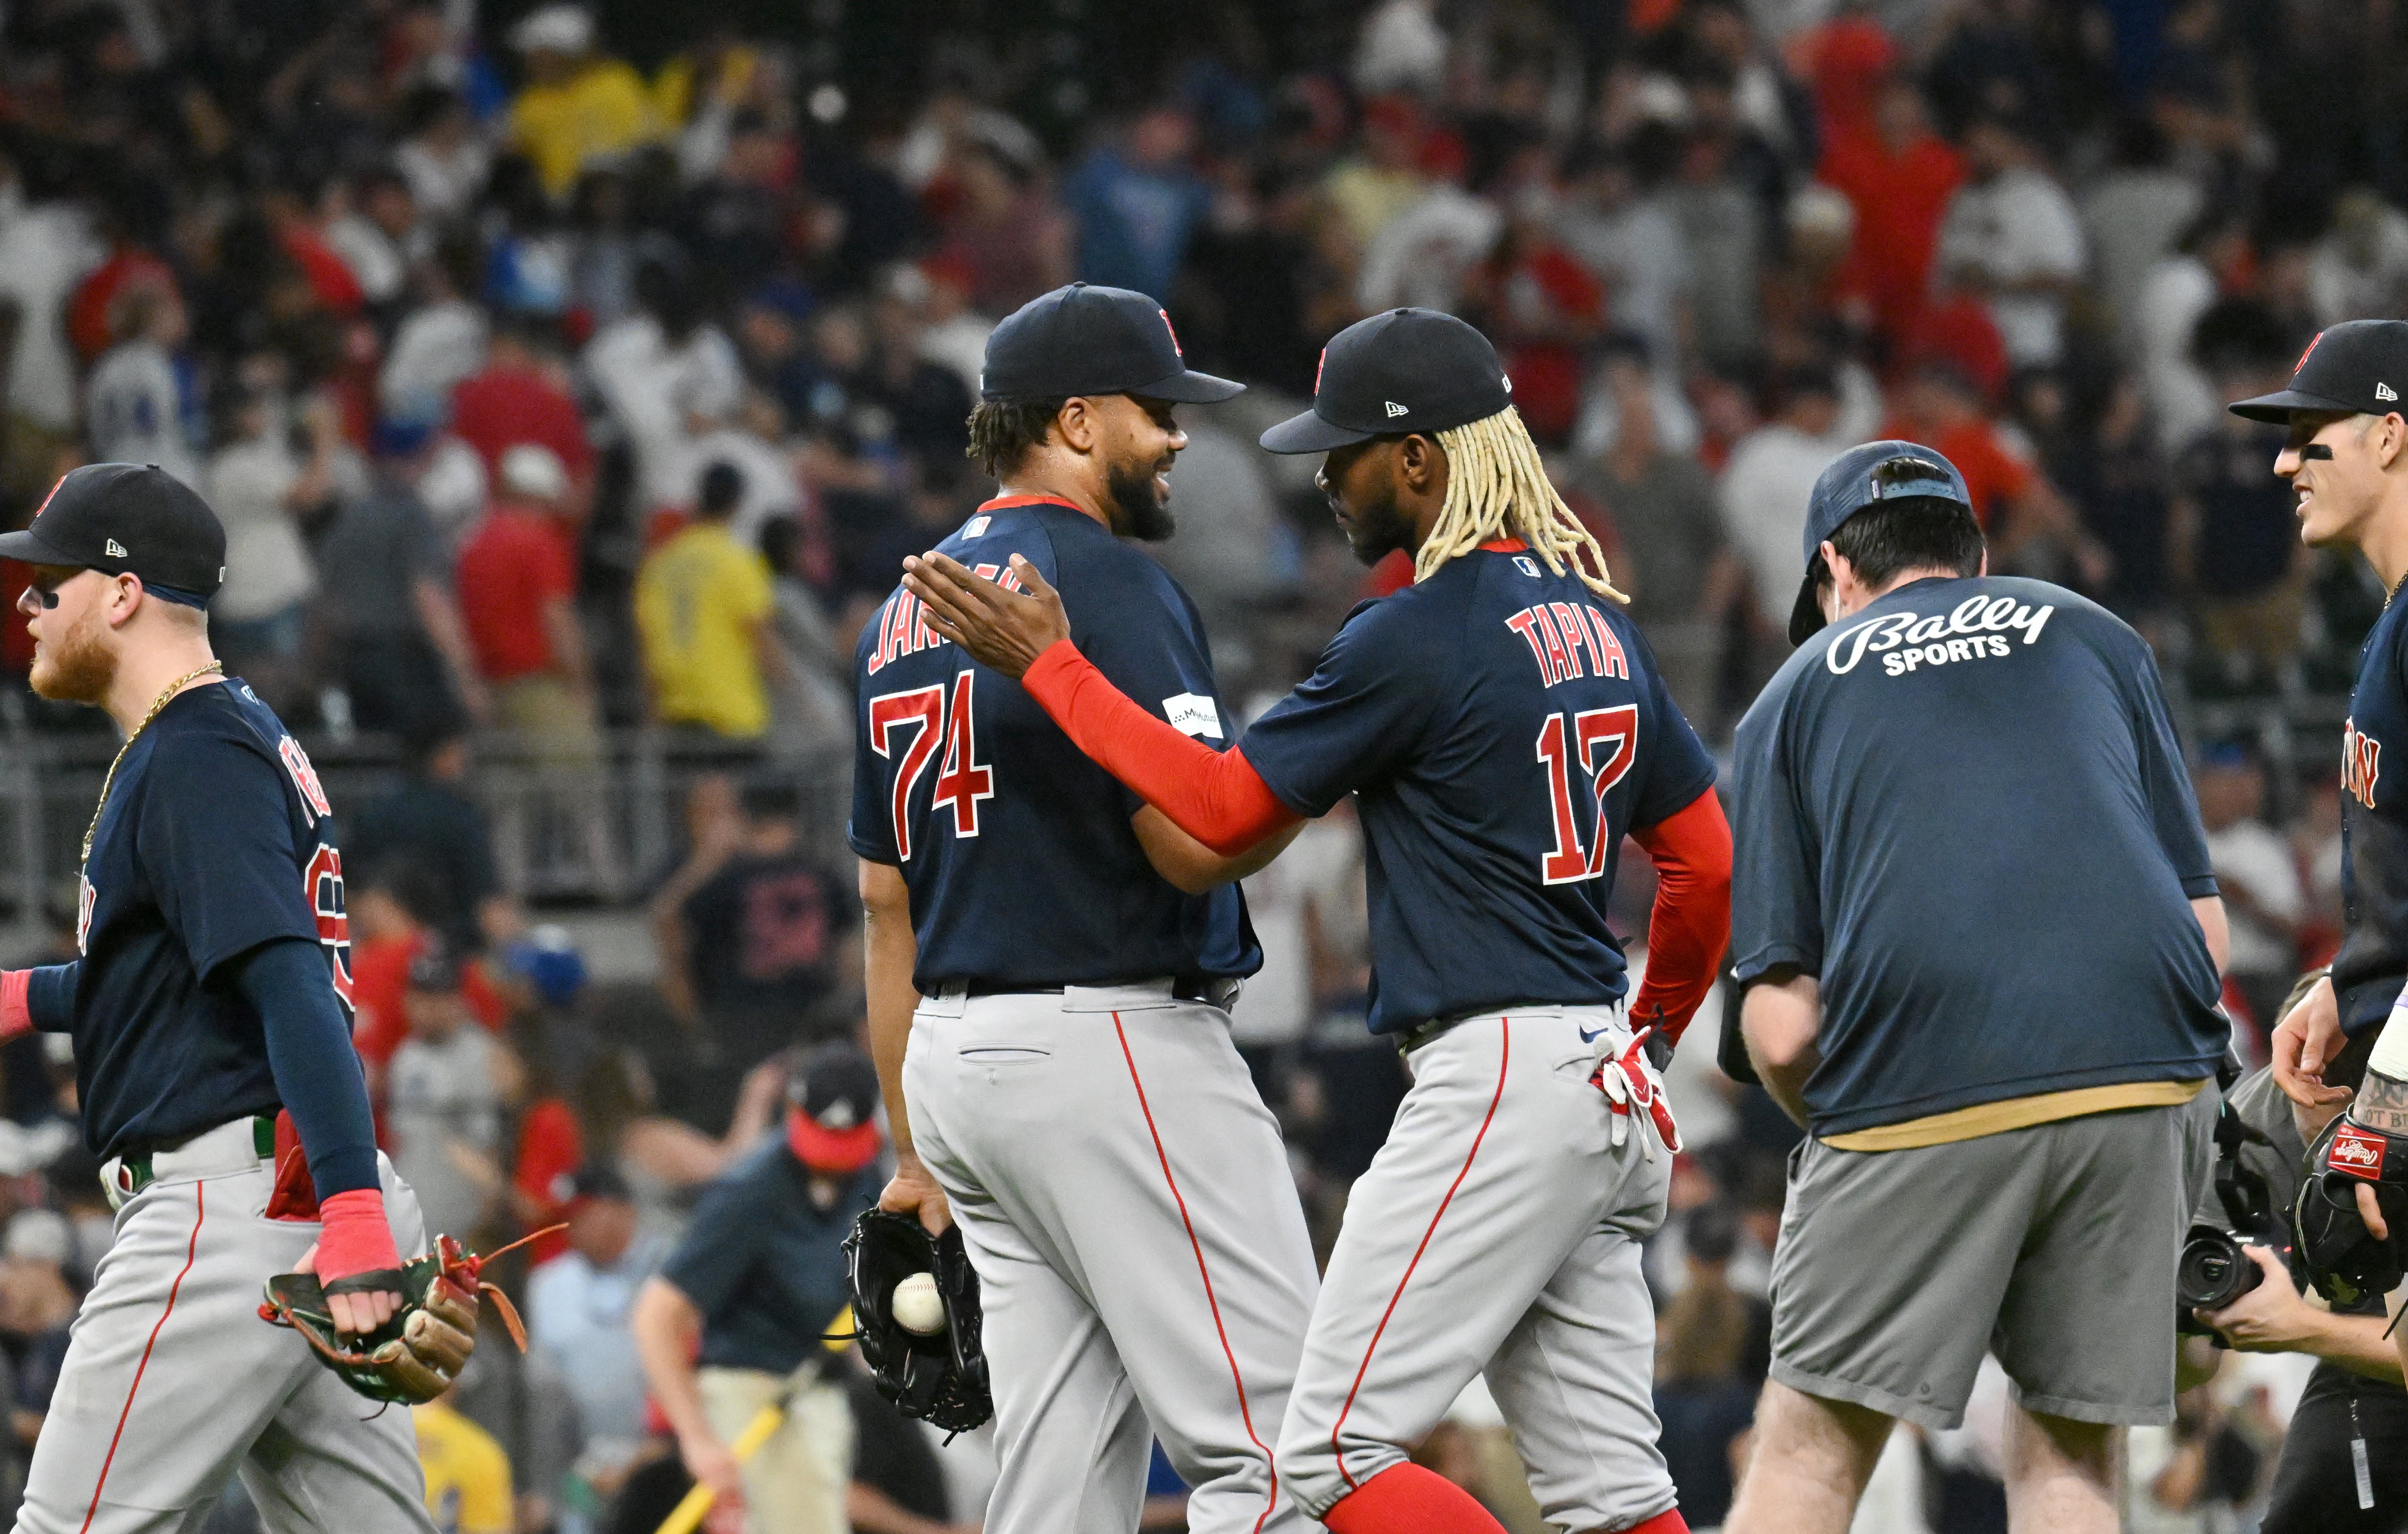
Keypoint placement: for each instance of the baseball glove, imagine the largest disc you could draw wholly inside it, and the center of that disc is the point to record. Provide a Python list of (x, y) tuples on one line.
[(415, 1356), (2343, 1258), (941, 1376)]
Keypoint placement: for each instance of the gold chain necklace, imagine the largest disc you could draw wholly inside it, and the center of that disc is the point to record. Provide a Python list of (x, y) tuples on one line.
[(105, 783)]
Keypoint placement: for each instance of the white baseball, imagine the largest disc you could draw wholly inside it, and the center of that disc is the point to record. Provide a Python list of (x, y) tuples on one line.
[(916, 1306)]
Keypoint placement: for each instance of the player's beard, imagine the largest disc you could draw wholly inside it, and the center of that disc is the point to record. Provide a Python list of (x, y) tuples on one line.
[(1144, 516), (1378, 529), (77, 667)]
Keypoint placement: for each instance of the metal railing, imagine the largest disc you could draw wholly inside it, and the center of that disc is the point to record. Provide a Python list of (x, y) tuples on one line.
[(597, 832)]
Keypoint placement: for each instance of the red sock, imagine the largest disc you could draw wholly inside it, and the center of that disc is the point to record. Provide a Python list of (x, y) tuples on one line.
[(1408, 1500), (1666, 1522)]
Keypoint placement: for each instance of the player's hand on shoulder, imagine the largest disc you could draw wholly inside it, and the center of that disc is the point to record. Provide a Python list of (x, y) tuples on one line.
[(1004, 630), (913, 1191)]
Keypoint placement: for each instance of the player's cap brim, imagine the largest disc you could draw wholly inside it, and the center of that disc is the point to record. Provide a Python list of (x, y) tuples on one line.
[(1310, 432), (1806, 618), (2278, 407), (834, 1151), (1189, 387), (27, 549)]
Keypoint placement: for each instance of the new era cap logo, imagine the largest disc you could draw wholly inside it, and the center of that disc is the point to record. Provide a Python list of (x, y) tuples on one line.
[(1395, 409), (2384, 391), (2356, 1152), (114, 549)]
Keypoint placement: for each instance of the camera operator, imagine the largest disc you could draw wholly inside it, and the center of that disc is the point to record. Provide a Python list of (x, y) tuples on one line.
[(2355, 1397)]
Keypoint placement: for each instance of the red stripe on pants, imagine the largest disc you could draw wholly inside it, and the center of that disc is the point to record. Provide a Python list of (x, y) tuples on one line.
[(1504, 1056), (191, 1250), (1244, 1415)]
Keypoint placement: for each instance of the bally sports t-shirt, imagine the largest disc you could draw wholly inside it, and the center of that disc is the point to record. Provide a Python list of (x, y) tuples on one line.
[(1964, 809)]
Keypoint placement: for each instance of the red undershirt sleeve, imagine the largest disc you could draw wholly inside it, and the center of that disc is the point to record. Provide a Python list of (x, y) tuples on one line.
[(1215, 796), (1691, 926)]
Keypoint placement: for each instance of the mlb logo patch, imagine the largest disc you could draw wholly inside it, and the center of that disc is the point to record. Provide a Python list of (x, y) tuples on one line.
[(2356, 1152), (1527, 566), (976, 526)]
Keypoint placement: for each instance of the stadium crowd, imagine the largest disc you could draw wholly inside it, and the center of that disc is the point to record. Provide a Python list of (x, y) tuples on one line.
[(570, 377)]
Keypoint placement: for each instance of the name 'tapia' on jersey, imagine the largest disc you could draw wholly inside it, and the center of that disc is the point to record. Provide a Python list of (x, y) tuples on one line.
[(2369, 971), (217, 838), (1501, 727), (1018, 851)]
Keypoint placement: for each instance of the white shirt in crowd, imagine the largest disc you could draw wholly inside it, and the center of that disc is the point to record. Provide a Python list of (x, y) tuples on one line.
[(269, 568), (1764, 490), (45, 251), (653, 387), (435, 348), (133, 412), (444, 1118), (2250, 855), (2016, 228)]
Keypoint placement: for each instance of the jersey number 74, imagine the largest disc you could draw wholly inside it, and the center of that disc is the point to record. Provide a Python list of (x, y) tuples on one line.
[(911, 723)]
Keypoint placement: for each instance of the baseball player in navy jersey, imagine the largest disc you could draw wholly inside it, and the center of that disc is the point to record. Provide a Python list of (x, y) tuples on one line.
[(1048, 962), (1502, 727), (211, 993)]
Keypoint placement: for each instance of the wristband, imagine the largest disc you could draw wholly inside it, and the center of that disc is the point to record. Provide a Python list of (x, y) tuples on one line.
[(353, 1237), (16, 1006)]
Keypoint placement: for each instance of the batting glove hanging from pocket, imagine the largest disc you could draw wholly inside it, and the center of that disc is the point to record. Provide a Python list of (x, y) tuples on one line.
[(1630, 1086)]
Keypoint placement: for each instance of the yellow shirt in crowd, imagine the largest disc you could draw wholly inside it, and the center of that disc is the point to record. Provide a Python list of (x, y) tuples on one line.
[(603, 110), (468, 1475), (699, 599)]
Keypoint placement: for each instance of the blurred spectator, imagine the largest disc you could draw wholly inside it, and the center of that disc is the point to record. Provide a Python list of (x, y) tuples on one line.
[(1008, 241), (2360, 266), (756, 936), (741, 1305), (2013, 235), (46, 246), (1714, 1345), (431, 821), (1400, 48), (664, 373), (142, 403), (664, 1159), (576, 1311), (703, 603), (2236, 543), (578, 107), (2030, 528), (385, 601), (2115, 474), (261, 488), (38, 1307), (2212, 255), (1770, 477), (443, 159), (2259, 878), (2132, 216), (393, 909), (468, 1475), (522, 394), (442, 340), (444, 1095), (1137, 204), (1902, 179)]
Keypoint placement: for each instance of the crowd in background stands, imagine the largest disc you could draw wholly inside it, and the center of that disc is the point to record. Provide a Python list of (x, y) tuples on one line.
[(561, 373)]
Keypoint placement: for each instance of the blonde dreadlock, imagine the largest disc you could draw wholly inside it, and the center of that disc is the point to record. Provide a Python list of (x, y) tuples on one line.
[(1497, 487)]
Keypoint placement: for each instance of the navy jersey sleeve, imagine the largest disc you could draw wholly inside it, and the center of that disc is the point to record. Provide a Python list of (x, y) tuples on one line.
[(1136, 626), (710, 1264), (1776, 906), (2174, 805), (1679, 769), (1362, 711), (215, 839), (871, 830)]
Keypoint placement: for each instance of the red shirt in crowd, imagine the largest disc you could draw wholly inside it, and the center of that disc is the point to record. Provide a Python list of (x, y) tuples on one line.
[(87, 317), (379, 981), (517, 563), (551, 1146), (1899, 197), (503, 407)]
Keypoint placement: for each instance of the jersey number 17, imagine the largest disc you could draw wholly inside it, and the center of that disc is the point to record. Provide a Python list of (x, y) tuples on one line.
[(928, 715), (1605, 741)]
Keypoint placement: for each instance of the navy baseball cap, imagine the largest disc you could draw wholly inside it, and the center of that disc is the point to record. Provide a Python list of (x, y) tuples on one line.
[(128, 519), (1406, 370), (832, 1092), (1085, 340), (2355, 368), (1877, 471)]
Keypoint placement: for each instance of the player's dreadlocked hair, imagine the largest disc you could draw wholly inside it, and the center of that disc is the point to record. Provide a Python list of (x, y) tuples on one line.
[(1497, 487), (1003, 430)]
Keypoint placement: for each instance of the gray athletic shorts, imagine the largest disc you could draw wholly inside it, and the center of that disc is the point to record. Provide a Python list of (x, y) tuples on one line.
[(2052, 1246)]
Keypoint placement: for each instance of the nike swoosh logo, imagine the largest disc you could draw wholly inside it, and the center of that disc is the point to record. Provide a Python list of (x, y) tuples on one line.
[(1589, 1036)]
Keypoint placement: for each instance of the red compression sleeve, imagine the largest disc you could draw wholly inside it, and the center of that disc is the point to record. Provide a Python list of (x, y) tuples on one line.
[(1409, 1499), (16, 1011), (1691, 926), (352, 1235), (1215, 796)]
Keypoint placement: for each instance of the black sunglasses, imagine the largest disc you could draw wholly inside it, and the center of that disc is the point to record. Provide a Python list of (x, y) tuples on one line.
[(46, 587)]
